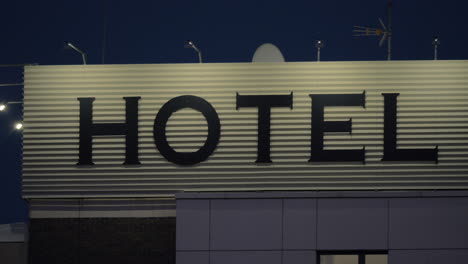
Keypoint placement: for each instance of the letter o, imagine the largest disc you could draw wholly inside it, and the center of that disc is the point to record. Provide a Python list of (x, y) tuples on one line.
[(160, 123)]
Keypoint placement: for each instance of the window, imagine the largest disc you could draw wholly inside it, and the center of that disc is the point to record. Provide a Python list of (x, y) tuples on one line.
[(352, 257)]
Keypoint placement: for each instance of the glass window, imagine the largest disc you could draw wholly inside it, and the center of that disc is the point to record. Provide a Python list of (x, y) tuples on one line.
[(353, 257), (339, 259), (377, 259)]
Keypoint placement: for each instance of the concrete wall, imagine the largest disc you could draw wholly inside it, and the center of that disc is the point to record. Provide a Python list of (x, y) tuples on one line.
[(415, 227)]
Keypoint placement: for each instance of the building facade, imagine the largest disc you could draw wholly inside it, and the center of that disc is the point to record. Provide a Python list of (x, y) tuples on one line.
[(305, 162)]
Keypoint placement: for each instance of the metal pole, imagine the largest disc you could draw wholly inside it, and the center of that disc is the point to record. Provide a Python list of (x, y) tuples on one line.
[(436, 43), (199, 56), (104, 30), (389, 48), (319, 44), (11, 84), (200, 60), (83, 55), (190, 44)]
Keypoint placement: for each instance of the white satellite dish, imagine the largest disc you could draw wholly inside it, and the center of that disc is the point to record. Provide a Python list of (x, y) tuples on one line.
[(267, 53)]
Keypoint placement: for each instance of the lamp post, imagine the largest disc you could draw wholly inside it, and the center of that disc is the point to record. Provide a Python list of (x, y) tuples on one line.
[(190, 44), (435, 43), (319, 44), (83, 55)]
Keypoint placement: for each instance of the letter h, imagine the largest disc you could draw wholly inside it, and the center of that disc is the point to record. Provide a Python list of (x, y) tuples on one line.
[(88, 129)]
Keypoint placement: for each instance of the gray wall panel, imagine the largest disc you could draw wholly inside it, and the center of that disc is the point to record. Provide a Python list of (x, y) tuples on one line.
[(427, 223), (352, 224), (196, 257), (193, 224), (246, 224), (245, 257), (299, 257), (454, 256), (299, 223), (413, 226)]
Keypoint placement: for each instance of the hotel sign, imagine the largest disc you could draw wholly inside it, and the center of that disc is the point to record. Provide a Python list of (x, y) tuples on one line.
[(154, 130), (264, 104)]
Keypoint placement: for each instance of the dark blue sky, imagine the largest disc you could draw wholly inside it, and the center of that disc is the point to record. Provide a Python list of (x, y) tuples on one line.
[(225, 31)]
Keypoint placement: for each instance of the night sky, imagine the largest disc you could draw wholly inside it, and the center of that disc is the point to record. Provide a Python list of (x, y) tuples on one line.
[(225, 31)]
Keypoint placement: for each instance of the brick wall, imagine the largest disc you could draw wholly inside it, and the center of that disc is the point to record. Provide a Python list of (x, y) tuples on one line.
[(102, 240)]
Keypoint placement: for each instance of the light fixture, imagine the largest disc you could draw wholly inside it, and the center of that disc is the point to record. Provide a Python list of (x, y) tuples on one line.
[(3, 106), (19, 126), (319, 44), (435, 43), (83, 55), (190, 44)]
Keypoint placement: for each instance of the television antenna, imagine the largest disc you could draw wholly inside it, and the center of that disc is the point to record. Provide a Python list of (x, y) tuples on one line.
[(384, 31)]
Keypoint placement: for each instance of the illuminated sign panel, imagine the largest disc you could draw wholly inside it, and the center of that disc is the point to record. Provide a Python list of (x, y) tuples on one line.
[(153, 130)]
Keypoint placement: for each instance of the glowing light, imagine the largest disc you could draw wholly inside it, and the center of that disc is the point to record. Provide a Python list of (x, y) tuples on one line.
[(2, 107), (19, 126)]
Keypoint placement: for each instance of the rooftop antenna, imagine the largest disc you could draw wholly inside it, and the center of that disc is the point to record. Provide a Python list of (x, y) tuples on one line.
[(384, 31), (389, 17), (105, 10)]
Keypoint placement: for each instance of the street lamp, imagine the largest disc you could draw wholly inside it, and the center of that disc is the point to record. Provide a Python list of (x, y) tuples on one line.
[(319, 44), (83, 55), (190, 44), (19, 126), (3, 106), (435, 43)]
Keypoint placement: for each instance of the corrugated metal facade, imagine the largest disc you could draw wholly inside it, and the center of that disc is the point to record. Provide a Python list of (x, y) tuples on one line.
[(432, 111)]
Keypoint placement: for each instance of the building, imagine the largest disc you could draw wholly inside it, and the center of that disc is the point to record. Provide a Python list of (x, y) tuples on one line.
[(297, 162), (14, 243)]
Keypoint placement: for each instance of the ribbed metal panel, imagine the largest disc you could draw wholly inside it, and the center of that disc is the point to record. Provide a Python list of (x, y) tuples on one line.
[(96, 207), (432, 110)]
